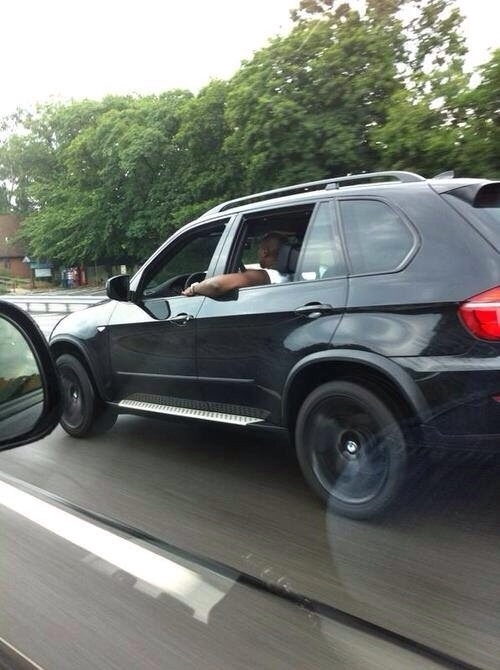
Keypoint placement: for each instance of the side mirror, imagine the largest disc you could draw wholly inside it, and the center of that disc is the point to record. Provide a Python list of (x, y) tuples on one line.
[(30, 394), (117, 287)]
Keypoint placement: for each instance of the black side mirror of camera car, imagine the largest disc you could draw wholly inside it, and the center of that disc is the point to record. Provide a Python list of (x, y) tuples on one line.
[(30, 393)]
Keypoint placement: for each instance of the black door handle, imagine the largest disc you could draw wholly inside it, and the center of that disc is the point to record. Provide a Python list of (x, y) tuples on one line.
[(181, 319), (314, 309)]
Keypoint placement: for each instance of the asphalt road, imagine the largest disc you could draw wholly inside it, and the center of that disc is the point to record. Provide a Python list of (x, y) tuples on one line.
[(430, 571)]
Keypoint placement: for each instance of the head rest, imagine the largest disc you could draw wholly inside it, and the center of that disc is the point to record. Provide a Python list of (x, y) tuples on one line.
[(286, 261)]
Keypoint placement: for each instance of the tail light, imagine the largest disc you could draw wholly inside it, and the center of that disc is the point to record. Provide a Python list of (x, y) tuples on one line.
[(481, 314)]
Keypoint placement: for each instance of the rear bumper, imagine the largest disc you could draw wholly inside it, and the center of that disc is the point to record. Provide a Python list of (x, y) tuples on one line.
[(463, 401)]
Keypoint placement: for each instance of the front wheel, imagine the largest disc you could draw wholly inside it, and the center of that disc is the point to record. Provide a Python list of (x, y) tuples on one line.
[(351, 449), (84, 413)]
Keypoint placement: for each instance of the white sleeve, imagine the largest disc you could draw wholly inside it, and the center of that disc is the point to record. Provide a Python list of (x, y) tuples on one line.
[(276, 277)]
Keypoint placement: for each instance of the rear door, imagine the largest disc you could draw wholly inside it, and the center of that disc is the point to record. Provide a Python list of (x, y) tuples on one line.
[(246, 346)]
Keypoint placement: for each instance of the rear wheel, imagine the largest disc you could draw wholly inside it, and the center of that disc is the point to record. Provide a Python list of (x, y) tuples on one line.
[(351, 449), (84, 413)]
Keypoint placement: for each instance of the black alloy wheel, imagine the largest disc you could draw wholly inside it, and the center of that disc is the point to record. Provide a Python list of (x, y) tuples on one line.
[(351, 449), (83, 413)]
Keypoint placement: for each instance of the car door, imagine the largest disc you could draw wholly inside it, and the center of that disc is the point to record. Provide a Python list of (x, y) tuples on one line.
[(152, 338), (247, 346)]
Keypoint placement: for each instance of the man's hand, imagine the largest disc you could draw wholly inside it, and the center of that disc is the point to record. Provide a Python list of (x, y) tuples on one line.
[(191, 290)]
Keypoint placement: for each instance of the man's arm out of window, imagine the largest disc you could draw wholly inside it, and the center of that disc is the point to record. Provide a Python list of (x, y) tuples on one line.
[(221, 284)]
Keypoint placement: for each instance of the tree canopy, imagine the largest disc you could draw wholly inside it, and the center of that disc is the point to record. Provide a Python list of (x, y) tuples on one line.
[(342, 92)]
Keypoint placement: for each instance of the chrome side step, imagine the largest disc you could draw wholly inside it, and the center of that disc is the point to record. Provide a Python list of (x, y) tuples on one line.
[(192, 412)]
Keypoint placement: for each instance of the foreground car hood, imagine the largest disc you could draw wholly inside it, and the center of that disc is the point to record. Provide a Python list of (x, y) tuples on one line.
[(80, 591)]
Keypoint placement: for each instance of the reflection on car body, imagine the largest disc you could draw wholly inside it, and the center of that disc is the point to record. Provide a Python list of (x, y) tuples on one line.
[(21, 391)]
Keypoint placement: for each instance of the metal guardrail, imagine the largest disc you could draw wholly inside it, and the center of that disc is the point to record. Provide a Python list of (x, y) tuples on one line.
[(53, 304)]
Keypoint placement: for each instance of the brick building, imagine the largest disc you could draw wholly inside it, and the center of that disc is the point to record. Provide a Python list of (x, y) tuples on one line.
[(12, 252)]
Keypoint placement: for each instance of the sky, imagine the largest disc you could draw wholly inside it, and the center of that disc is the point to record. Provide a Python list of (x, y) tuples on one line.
[(63, 49)]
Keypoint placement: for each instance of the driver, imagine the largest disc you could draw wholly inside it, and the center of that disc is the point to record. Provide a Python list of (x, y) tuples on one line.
[(268, 254)]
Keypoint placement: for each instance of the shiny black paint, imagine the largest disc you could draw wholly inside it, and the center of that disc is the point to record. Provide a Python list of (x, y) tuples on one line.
[(254, 349), (118, 287), (259, 338), (84, 334), (149, 355), (372, 364)]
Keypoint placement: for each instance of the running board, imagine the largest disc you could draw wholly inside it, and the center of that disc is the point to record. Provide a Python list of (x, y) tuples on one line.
[(194, 410)]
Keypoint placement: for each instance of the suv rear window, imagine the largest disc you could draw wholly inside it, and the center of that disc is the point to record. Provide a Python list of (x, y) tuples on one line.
[(377, 239), (481, 208)]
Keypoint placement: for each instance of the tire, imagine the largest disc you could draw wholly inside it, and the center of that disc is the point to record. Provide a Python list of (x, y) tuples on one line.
[(84, 413), (351, 449)]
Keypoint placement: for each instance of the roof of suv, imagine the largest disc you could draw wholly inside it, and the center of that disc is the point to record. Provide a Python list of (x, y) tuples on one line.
[(441, 183)]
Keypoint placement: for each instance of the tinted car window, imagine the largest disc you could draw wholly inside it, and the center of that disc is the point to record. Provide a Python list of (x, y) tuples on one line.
[(290, 223), (377, 239), (322, 255), (484, 213), (193, 256)]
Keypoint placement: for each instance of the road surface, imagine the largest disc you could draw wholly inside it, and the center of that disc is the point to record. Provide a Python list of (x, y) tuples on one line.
[(430, 571)]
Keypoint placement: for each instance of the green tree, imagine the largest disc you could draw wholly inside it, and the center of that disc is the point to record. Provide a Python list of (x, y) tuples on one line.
[(480, 139), (206, 170), (84, 176), (425, 119), (303, 107), (345, 91)]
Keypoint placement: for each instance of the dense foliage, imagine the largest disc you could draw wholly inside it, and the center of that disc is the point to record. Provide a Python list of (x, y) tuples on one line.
[(342, 92)]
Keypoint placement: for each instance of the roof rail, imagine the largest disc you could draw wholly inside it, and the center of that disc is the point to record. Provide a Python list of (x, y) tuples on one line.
[(331, 183)]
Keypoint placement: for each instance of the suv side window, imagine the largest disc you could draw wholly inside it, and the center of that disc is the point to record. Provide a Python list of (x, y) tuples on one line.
[(291, 223), (322, 255), (377, 239), (191, 256)]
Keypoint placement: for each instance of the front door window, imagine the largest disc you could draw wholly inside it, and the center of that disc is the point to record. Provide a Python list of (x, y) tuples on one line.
[(188, 262)]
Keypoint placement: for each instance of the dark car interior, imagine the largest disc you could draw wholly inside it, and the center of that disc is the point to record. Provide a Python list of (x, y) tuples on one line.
[(292, 223)]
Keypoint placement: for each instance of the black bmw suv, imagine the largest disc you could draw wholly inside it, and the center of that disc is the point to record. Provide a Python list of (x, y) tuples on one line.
[(385, 341)]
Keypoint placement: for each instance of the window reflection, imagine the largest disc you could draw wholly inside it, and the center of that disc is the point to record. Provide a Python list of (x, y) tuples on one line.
[(19, 373)]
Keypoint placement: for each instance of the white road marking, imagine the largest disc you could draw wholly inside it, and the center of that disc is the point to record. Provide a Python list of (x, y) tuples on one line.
[(187, 586), (35, 666)]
